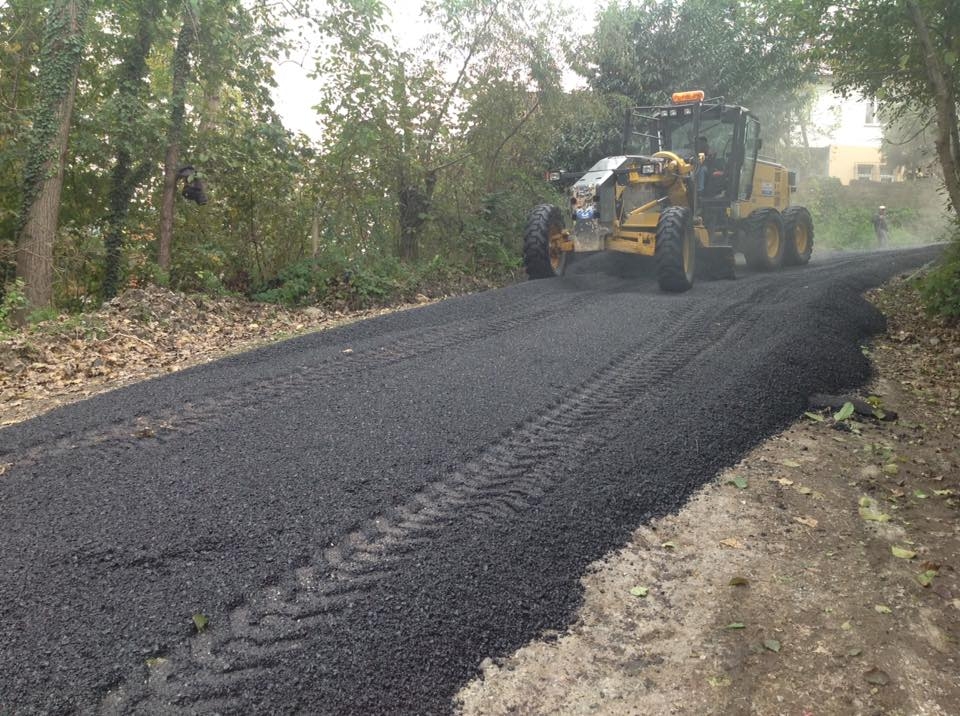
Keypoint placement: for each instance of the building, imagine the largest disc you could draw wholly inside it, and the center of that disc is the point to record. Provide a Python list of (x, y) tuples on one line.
[(848, 134)]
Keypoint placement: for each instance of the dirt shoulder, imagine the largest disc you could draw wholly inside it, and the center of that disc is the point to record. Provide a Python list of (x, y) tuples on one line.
[(818, 576)]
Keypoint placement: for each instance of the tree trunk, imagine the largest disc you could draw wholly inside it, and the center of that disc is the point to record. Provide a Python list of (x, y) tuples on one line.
[(126, 175), (414, 207), (181, 71), (948, 134), (43, 176)]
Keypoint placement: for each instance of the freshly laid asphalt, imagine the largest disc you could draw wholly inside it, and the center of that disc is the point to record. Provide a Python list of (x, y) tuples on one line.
[(363, 515)]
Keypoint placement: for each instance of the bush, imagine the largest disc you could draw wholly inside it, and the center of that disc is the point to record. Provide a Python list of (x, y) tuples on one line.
[(940, 290), (843, 215), (335, 280), (13, 301)]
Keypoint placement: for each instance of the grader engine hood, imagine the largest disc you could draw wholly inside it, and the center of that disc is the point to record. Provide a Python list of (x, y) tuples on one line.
[(609, 191)]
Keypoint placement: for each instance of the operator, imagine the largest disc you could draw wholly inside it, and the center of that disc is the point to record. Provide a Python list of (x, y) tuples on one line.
[(708, 165)]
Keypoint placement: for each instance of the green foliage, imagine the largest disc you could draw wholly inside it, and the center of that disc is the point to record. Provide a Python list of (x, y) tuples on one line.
[(13, 301), (905, 54), (336, 280), (940, 289), (843, 215), (60, 52), (739, 50), (39, 315)]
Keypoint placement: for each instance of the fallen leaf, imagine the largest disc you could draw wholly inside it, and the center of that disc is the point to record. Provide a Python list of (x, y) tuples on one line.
[(877, 677), (925, 578), (738, 482), (845, 412), (783, 481), (735, 625), (891, 468), (868, 511), (846, 626), (772, 645), (718, 681), (639, 591), (902, 553), (882, 609), (200, 622), (803, 490), (920, 494), (855, 651), (808, 521), (790, 463), (732, 543), (669, 545), (738, 582), (815, 417)]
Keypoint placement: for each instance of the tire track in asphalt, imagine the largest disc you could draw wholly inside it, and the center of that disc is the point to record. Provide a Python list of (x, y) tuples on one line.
[(503, 480)]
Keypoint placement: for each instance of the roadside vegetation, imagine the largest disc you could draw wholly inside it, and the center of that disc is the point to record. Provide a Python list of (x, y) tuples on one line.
[(139, 143)]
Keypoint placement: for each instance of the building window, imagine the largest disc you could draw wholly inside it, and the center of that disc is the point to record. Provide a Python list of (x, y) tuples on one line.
[(865, 172), (871, 119)]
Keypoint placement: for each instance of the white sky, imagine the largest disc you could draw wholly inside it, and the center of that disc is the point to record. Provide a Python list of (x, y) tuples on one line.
[(296, 94)]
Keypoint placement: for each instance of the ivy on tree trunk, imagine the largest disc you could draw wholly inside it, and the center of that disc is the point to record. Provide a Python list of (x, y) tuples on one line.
[(127, 175), (59, 63), (181, 73)]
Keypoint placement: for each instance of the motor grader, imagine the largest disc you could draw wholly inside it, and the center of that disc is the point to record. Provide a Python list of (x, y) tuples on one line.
[(690, 190)]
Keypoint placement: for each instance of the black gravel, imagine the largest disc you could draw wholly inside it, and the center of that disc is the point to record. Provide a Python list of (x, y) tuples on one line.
[(365, 514)]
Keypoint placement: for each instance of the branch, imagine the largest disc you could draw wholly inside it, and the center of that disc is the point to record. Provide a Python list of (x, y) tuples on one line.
[(460, 75)]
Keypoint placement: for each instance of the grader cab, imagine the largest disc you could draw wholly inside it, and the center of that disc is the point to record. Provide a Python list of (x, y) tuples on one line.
[(690, 190)]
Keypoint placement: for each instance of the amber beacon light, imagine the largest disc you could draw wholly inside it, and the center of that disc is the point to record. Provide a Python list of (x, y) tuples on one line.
[(691, 96)]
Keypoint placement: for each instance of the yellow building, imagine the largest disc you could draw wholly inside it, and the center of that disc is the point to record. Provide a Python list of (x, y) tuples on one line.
[(849, 130)]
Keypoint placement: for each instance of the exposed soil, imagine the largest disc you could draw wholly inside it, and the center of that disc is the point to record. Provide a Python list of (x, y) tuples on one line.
[(818, 576)]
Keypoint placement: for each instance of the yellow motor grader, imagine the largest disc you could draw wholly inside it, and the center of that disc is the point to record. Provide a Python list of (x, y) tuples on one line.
[(689, 190)]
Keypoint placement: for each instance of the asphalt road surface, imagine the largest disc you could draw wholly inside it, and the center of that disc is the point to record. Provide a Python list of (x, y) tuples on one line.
[(363, 515)]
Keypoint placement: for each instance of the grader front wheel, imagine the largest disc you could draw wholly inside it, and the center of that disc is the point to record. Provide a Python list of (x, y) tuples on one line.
[(542, 255), (676, 250)]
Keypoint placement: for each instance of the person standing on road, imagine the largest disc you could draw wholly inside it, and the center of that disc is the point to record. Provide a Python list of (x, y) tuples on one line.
[(880, 226)]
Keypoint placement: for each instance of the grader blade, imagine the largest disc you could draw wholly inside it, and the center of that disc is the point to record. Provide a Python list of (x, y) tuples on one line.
[(716, 262)]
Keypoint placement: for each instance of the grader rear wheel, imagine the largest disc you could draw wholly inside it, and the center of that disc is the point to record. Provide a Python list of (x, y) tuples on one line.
[(676, 250), (542, 256), (764, 237)]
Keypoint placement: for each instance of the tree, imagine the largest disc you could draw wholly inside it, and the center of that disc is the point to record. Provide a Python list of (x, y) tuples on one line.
[(740, 50), (396, 122), (59, 62), (904, 53), (132, 164), (178, 98)]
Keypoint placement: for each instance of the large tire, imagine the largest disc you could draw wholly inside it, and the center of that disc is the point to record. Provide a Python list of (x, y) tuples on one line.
[(764, 240), (540, 258), (676, 250), (798, 236)]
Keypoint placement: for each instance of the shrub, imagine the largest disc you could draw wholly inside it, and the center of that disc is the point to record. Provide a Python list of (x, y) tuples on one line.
[(13, 300), (940, 289)]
